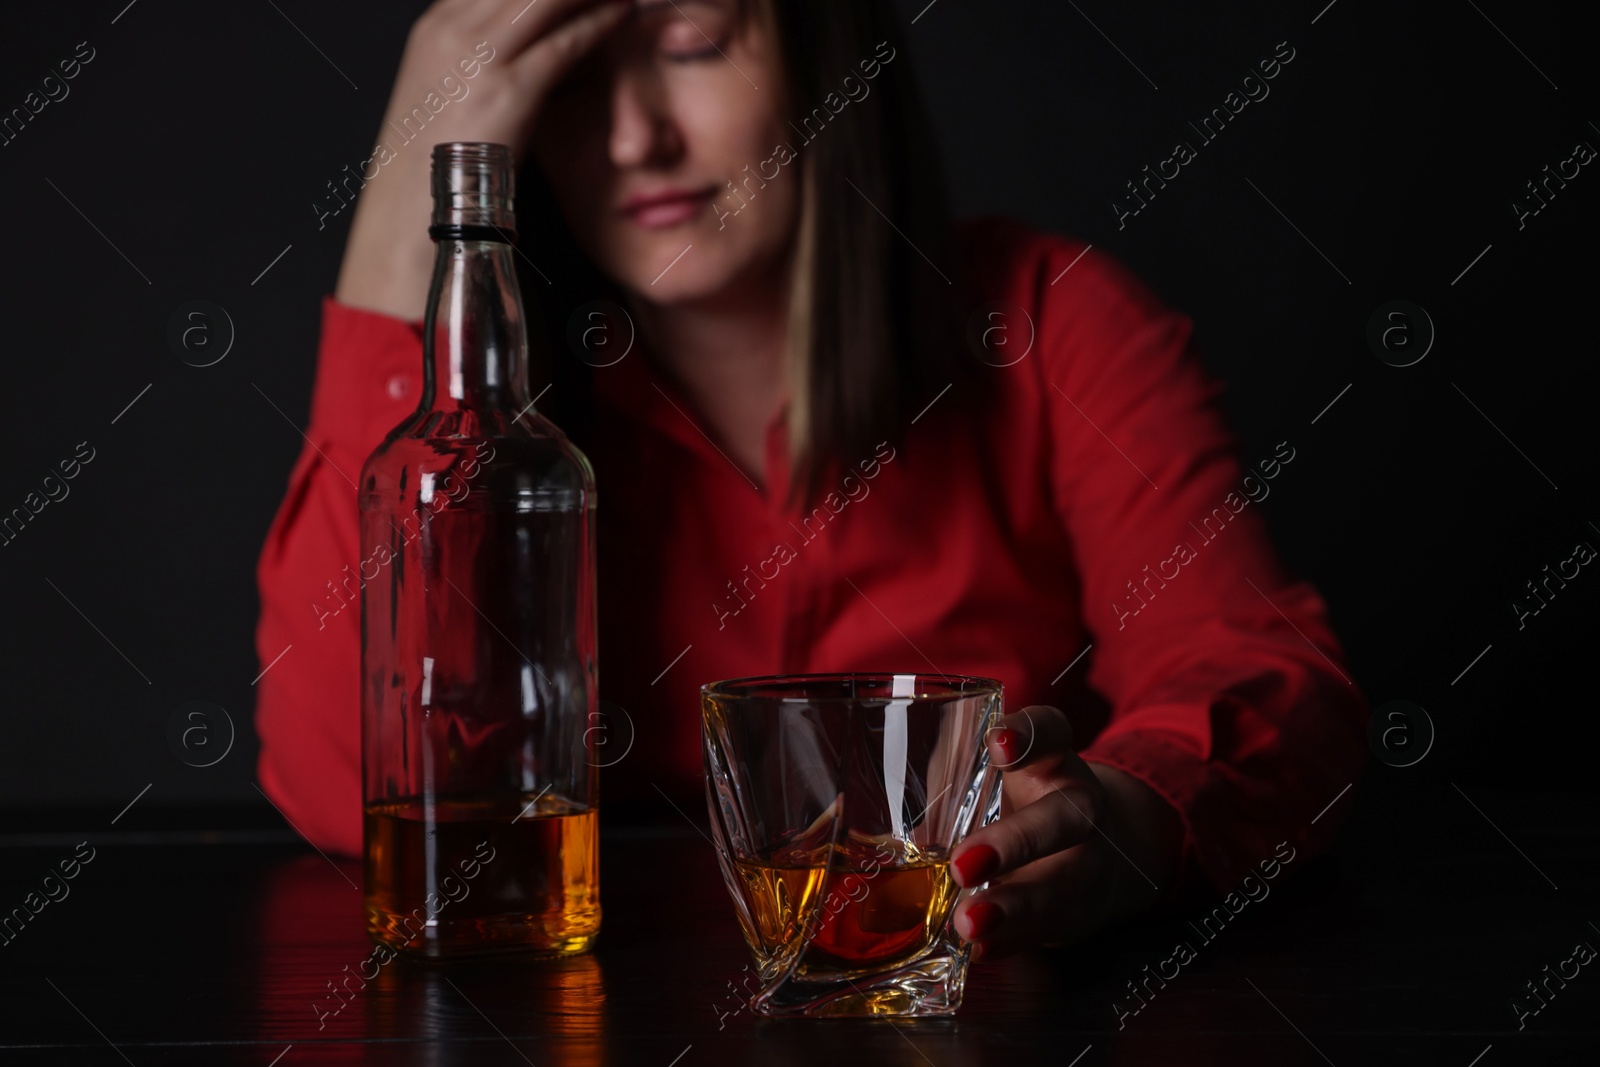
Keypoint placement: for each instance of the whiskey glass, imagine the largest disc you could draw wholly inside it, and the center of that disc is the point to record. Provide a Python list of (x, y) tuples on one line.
[(835, 802)]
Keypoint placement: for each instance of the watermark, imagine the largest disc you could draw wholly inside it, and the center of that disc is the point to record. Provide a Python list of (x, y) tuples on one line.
[(1565, 571), (200, 333), (1400, 733), (419, 919), (995, 333), (1400, 333), (1254, 490), (53, 488), (1552, 983), (594, 334), (454, 88), (1252, 889), (810, 528), (1251, 88), (200, 733), (52, 888), (1552, 182), (988, 735), (435, 492), (598, 738), (379, 955), (53, 88), (855, 91), (739, 1000)]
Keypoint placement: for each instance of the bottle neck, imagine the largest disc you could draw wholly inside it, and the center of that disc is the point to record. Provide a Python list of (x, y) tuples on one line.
[(475, 339)]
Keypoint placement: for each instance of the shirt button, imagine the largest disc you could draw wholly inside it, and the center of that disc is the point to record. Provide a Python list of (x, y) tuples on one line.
[(398, 387)]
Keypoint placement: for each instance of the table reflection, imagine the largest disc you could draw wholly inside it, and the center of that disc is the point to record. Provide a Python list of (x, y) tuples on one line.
[(322, 981)]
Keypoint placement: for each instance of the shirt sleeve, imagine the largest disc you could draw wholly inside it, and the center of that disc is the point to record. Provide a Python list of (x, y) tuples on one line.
[(1229, 692), (369, 374)]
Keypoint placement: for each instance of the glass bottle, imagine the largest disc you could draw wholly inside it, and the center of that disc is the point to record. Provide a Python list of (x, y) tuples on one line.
[(478, 673)]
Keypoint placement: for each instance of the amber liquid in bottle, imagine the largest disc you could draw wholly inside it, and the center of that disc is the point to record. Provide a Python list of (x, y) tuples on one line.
[(478, 673), (524, 874)]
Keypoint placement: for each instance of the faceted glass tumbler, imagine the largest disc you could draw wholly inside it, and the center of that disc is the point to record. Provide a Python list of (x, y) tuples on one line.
[(836, 800)]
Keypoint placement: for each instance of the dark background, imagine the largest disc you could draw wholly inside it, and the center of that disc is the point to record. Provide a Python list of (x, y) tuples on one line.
[(200, 135)]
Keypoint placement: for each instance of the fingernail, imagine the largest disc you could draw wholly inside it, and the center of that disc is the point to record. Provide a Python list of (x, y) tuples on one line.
[(975, 865), (1006, 738), (983, 919)]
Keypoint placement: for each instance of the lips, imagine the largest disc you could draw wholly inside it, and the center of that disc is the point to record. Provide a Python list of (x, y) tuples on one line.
[(666, 207)]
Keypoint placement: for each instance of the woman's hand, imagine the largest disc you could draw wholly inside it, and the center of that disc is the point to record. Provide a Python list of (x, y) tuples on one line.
[(1075, 846), (530, 47)]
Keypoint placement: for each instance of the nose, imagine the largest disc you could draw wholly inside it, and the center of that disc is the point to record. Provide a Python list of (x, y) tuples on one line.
[(643, 132)]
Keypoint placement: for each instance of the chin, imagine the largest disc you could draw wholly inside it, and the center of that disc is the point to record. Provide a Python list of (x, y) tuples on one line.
[(644, 263), (685, 283)]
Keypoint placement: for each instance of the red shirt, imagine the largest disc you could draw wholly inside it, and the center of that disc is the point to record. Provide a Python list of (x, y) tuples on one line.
[(1095, 500)]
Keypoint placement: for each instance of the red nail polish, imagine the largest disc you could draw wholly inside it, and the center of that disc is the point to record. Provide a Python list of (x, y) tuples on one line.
[(984, 918), (975, 865)]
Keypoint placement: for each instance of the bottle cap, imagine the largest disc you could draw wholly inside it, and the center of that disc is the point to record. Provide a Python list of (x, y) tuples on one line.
[(473, 189)]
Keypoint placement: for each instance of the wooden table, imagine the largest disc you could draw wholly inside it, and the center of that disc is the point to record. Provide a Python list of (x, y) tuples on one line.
[(1407, 946)]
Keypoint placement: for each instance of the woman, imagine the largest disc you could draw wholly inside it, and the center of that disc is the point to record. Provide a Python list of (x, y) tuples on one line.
[(804, 468)]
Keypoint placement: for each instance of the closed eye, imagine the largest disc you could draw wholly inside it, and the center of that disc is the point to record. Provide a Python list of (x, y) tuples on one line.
[(710, 51), (685, 38)]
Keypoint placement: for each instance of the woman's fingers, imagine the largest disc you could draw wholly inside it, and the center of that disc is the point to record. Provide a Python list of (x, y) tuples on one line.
[(511, 25), (1031, 737), (1062, 817), (534, 44), (1050, 900), (1051, 869), (1033, 749), (1053, 798), (554, 54)]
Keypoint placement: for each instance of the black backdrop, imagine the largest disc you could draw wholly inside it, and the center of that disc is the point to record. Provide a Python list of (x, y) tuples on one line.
[(186, 157)]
